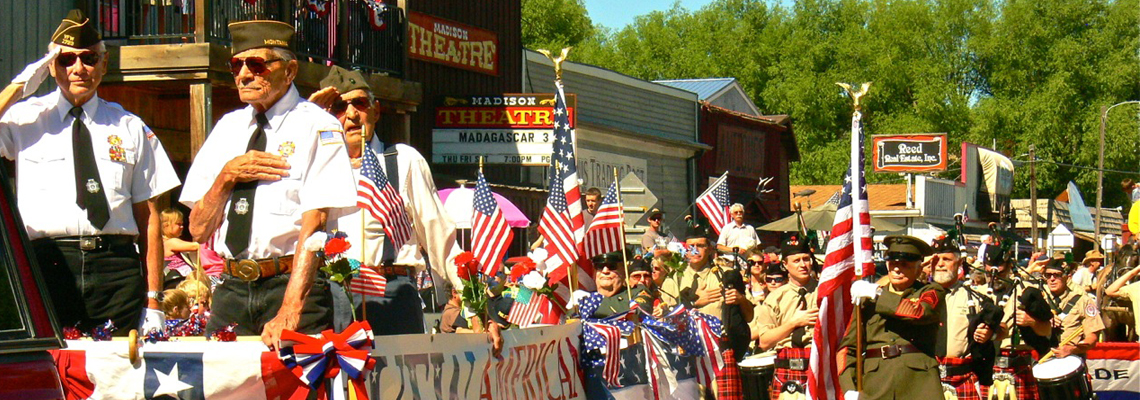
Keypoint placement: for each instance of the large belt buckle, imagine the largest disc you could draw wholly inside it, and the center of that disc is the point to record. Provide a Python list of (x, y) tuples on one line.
[(797, 364), (89, 243), (889, 351), (942, 372), (247, 270)]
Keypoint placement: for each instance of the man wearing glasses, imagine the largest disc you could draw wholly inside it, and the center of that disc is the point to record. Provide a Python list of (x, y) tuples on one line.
[(1075, 310), (737, 236), (88, 175), (399, 311), (262, 183), (654, 237), (785, 321)]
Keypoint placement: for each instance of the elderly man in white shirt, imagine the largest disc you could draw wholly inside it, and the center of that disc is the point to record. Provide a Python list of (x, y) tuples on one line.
[(737, 235)]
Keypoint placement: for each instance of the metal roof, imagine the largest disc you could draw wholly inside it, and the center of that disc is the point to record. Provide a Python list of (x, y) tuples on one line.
[(704, 88)]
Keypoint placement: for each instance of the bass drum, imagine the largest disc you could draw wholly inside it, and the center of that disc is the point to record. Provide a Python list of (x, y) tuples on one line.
[(756, 374), (1063, 379)]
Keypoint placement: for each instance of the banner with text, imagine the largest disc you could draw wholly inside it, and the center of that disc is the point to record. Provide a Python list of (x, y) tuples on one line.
[(450, 43), (538, 363), (512, 129), (910, 153), (596, 168)]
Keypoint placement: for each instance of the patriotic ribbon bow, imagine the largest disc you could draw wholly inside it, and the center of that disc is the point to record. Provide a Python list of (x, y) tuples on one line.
[(315, 360)]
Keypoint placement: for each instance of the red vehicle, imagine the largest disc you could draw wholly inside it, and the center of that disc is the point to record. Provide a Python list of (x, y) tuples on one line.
[(28, 328)]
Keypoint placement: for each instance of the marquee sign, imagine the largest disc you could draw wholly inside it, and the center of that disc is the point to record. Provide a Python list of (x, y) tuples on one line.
[(910, 153), (515, 129), (450, 43)]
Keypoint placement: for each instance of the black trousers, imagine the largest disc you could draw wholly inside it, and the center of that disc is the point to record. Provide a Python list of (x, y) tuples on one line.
[(253, 304), (399, 312), (89, 287)]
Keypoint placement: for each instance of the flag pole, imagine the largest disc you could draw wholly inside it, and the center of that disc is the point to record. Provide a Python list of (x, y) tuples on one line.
[(621, 222), (363, 238), (856, 214)]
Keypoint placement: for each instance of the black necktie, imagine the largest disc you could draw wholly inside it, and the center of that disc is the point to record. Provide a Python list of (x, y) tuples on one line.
[(240, 215), (88, 186), (799, 335)]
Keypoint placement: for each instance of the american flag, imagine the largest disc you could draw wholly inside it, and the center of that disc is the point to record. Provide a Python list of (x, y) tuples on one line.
[(369, 282), (490, 235), (562, 225), (848, 255), (606, 233), (525, 314), (379, 198), (612, 336), (713, 203)]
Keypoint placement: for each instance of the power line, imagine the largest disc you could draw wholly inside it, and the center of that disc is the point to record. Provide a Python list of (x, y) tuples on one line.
[(1078, 166)]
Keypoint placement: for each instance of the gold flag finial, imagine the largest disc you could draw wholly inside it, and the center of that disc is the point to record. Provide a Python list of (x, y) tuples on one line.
[(557, 60), (856, 96)]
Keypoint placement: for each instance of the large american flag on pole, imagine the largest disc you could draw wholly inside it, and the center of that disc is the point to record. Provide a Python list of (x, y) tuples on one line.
[(848, 256), (490, 235), (562, 225), (376, 195), (606, 233), (713, 203)]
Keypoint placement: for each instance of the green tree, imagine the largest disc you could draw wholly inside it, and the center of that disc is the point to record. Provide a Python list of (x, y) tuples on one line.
[(554, 24)]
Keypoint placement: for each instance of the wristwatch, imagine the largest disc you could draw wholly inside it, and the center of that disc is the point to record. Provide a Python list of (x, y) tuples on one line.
[(157, 296)]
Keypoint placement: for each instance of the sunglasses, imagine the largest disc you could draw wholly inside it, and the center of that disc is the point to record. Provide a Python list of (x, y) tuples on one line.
[(775, 280), (639, 275), (654, 218), (612, 268), (256, 65), (340, 106), (89, 58), (1053, 275)]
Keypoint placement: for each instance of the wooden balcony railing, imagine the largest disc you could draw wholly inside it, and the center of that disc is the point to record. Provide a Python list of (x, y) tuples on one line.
[(357, 34)]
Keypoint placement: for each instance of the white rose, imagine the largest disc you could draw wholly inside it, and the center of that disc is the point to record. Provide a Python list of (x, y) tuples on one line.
[(316, 241), (534, 280)]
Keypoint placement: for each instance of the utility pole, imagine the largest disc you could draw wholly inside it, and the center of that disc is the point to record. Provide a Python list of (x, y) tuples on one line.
[(1100, 179), (1033, 193)]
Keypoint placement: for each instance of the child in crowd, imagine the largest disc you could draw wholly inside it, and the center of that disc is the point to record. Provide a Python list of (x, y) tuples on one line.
[(176, 304), (176, 266)]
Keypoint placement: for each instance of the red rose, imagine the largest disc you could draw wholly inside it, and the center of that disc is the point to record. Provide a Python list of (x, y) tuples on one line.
[(463, 273), (336, 246), (466, 265)]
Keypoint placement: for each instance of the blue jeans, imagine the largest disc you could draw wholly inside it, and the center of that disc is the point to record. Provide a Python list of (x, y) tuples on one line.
[(252, 304)]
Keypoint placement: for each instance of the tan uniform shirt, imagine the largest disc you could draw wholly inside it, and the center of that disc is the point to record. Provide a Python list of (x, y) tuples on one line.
[(1083, 314), (780, 306), (955, 324), (1132, 292), (684, 288)]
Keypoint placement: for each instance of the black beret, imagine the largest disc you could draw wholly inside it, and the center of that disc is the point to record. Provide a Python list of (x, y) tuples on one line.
[(775, 269), (260, 33), (345, 80), (907, 248), (76, 30), (946, 244), (795, 245), (698, 231), (994, 255), (1057, 264)]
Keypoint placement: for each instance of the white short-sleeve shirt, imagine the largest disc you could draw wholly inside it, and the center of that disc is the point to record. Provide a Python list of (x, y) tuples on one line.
[(320, 175), (132, 164), (743, 236)]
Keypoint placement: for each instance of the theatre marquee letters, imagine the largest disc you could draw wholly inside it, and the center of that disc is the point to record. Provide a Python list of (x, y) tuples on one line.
[(450, 43)]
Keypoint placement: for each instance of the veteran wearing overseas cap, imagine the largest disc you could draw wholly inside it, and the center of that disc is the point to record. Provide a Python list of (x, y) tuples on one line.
[(784, 322), (347, 96), (261, 184), (88, 175), (901, 322)]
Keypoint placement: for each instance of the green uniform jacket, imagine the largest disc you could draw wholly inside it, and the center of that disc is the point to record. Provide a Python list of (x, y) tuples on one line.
[(898, 319)]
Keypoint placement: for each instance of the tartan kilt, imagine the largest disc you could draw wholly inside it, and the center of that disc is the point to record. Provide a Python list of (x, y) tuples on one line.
[(728, 386), (1023, 378), (965, 385), (785, 374)]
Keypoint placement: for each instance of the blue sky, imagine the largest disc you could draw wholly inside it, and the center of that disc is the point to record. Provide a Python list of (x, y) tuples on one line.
[(617, 14)]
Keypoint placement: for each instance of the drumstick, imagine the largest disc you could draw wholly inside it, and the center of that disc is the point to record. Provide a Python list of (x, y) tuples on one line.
[(1079, 332)]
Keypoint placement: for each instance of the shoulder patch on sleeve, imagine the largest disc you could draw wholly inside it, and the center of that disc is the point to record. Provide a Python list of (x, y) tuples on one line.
[(149, 133), (1091, 309), (929, 297), (331, 136), (909, 308)]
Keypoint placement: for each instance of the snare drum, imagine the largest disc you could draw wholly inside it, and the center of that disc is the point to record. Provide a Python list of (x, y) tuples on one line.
[(1063, 379), (756, 375)]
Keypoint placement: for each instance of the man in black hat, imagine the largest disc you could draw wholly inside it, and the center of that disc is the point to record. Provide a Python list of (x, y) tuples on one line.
[(970, 320), (901, 322), (262, 184), (88, 176), (786, 321), (654, 236), (347, 95)]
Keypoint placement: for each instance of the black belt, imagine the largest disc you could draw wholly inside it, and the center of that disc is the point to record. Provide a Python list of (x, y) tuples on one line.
[(794, 364), (1013, 362), (94, 242), (945, 371), (890, 351)]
